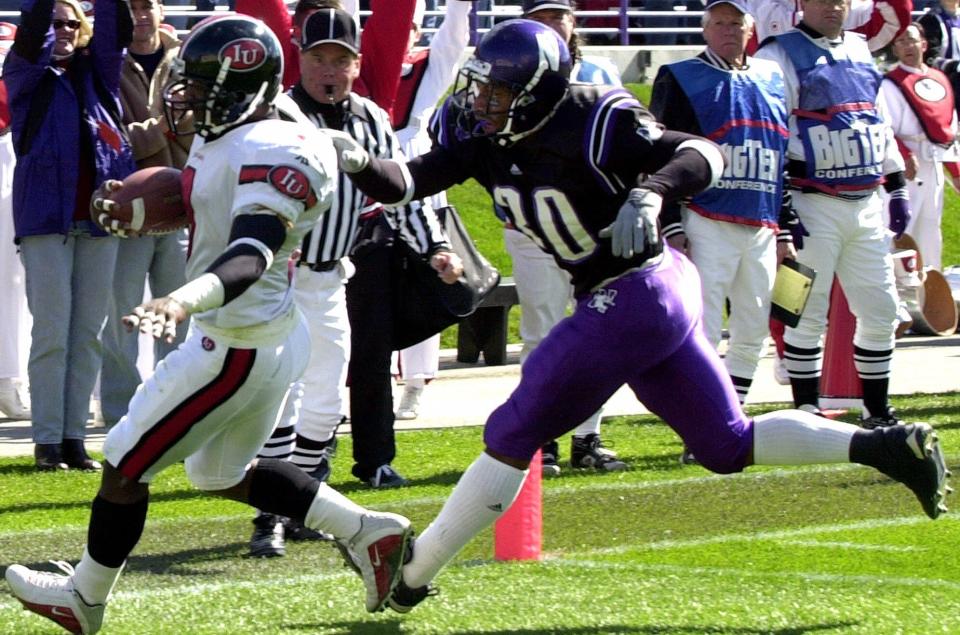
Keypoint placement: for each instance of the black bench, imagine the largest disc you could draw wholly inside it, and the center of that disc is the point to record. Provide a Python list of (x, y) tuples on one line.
[(485, 330)]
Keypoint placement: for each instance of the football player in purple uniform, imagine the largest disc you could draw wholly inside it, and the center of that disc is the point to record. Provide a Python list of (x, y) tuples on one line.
[(584, 170)]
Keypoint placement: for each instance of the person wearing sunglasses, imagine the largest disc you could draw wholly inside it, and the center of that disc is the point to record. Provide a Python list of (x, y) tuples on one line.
[(62, 82)]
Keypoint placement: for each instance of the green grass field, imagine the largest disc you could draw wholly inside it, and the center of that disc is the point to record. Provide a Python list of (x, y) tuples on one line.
[(658, 549)]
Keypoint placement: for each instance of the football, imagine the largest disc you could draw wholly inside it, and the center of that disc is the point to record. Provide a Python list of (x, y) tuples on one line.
[(151, 201)]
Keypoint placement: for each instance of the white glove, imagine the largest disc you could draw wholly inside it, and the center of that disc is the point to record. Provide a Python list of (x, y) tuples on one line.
[(636, 224), (351, 157)]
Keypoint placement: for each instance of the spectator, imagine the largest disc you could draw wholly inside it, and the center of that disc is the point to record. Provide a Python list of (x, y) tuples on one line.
[(834, 107), (146, 70), (730, 230), (63, 83), (13, 307), (918, 100), (941, 28)]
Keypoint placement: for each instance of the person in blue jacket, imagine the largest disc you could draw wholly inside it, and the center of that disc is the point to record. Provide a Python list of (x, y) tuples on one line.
[(63, 84)]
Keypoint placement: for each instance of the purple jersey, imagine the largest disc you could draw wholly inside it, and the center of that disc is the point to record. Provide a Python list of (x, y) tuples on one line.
[(637, 319), (565, 183)]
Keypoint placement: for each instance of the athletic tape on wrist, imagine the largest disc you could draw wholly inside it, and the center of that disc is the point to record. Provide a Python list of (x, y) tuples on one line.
[(202, 294)]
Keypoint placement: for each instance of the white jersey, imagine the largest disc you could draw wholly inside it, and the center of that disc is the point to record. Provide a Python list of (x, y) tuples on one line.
[(285, 168)]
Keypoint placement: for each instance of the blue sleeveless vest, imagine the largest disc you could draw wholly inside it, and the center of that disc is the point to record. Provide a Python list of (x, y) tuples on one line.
[(744, 112), (844, 139)]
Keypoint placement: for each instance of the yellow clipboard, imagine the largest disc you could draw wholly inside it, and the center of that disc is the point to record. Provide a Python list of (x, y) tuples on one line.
[(791, 289)]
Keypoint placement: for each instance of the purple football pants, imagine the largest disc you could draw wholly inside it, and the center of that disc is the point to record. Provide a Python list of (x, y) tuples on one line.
[(642, 329)]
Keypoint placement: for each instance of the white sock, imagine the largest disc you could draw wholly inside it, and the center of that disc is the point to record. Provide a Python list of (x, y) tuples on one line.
[(590, 425), (484, 492), (794, 437), (334, 513), (93, 581)]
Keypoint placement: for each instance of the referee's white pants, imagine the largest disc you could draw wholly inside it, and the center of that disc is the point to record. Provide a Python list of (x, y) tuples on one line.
[(849, 239), (545, 292), (318, 401), (738, 262)]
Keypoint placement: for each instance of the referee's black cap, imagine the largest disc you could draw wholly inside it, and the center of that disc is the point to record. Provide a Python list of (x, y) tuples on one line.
[(330, 25)]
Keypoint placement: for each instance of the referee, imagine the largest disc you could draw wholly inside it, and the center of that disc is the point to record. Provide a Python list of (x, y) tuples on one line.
[(329, 64)]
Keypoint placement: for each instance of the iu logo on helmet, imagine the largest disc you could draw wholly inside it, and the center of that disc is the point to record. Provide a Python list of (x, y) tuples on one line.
[(246, 54)]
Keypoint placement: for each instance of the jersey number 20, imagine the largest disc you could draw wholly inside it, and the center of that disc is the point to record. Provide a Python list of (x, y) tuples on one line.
[(561, 231)]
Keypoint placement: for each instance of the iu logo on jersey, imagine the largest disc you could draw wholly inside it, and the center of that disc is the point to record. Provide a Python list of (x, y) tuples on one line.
[(246, 54), (290, 181)]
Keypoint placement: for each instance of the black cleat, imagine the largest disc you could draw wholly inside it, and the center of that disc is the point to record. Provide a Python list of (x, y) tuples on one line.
[(687, 457), (884, 420), (403, 598), (328, 450), (297, 531), (911, 454), (588, 452), (267, 538), (549, 455)]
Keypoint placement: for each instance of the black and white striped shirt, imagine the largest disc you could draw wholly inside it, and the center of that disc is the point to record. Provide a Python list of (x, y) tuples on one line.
[(335, 233)]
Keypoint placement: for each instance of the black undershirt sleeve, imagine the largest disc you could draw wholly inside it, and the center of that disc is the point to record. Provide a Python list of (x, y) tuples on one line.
[(671, 106), (676, 175), (435, 171), (242, 265)]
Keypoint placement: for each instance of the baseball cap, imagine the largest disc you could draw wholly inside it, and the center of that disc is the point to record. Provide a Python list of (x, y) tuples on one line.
[(530, 6), (739, 5), (330, 25)]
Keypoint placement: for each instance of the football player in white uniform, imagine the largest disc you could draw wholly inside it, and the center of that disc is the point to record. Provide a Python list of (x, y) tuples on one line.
[(254, 184)]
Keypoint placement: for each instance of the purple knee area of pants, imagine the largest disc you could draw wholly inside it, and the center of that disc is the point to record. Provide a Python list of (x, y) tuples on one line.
[(728, 455), (504, 433)]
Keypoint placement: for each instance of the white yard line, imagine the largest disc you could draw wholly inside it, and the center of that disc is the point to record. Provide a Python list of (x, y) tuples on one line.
[(775, 535), (746, 573)]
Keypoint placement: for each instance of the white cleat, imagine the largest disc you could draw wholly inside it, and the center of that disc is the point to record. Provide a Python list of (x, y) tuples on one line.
[(52, 595), (376, 552)]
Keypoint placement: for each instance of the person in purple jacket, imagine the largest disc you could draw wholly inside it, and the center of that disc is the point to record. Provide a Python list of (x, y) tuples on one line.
[(63, 85)]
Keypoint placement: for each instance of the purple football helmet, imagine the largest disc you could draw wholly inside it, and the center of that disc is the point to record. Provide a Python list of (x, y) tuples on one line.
[(517, 76)]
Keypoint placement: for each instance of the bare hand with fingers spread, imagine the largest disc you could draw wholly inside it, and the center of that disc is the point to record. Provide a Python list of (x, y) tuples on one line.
[(158, 317)]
